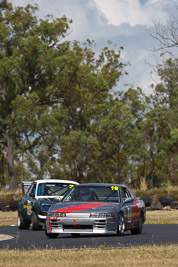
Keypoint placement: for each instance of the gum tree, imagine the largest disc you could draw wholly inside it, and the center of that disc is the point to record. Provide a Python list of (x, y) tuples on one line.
[(27, 49)]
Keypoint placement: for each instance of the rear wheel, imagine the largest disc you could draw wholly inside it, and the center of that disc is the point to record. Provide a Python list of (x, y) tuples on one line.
[(22, 224), (139, 228), (121, 225), (35, 223)]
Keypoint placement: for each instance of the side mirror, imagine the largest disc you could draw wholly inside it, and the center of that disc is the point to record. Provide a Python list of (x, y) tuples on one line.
[(58, 198), (128, 200), (32, 195)]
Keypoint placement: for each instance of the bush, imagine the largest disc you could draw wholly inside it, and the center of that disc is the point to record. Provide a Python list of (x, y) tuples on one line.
[(6, 196), (158, 192)]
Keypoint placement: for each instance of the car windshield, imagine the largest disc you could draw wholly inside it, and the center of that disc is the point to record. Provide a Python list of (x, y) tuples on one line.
[(53, 189), (93, 193)]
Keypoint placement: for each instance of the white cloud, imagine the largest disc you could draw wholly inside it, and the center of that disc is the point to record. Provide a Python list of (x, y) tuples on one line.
[(131, 12), (121, 21)]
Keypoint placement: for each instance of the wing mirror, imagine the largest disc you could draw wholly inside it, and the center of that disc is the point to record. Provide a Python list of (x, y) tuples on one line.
[(58, 198), (128, 200), (32, 195)]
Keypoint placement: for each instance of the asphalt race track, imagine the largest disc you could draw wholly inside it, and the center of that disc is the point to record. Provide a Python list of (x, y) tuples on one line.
[(161, 234)]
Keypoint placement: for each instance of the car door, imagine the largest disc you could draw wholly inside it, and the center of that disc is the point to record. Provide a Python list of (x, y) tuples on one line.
[(128, 206), (29, 199)]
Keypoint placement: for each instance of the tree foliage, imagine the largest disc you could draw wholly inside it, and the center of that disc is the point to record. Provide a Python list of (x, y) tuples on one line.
[(59, 118)]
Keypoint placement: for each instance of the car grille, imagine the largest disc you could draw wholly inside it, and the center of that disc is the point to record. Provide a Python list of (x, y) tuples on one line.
[(78, 228), (55, 223), (100, 224)]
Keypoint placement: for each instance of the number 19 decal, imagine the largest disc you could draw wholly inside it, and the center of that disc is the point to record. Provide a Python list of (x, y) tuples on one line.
[(115, 187)]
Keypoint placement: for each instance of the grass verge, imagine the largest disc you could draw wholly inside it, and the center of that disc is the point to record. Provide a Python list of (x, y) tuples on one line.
[(8, 218), (146, 256), (152, 217), (6, 196), (162, 217)]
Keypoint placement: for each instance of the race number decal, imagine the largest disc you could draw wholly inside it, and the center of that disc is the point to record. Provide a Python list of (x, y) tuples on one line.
[(114, 187)]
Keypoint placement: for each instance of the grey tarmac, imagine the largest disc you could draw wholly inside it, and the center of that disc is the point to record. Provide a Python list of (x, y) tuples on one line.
[(160, 234)]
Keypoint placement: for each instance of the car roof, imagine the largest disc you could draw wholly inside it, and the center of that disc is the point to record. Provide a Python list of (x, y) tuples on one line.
[(102, 184), (55, 181), (27, 182)]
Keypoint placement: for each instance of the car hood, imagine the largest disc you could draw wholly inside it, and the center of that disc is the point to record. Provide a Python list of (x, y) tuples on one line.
[(84, 207), (48, 201)]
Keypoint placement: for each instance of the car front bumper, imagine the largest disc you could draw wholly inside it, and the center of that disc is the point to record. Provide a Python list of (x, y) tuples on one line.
[(42, 217), (77, 223)]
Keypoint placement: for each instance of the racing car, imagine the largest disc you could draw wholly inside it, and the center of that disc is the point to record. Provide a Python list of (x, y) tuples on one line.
[(96, 209), (34, 205)]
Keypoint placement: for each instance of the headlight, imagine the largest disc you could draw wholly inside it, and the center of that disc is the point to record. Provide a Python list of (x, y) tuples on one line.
[(101, 215), (56, 214), (45, 207)]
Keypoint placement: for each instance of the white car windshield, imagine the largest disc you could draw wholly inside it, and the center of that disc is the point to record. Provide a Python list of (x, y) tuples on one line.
[(53, 189)]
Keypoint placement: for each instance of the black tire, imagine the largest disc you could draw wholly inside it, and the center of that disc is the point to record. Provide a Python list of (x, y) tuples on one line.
[(147, 201), (51, 235), (166, 201), (21, 223), (2, 206), (13, 205), (121, 225), (35, 224), (174, 205), (139, 228)]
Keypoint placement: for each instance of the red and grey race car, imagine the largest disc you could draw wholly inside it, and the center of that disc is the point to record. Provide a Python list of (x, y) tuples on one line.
[(96, 209)]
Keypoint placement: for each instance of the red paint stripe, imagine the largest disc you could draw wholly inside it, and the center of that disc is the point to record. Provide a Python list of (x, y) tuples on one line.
[(50, 225), (80, 207)]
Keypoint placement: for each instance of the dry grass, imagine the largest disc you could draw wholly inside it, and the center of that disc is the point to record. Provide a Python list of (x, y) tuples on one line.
[(8, 218), (171, 191), (162, 217), (152, 217), (146, 256), (6, 196)]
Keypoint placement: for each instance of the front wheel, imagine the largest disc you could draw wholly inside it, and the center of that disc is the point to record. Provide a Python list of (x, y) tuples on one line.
[(51, 235), (21, 223), (121, 225), (139, 228), (35, 223)]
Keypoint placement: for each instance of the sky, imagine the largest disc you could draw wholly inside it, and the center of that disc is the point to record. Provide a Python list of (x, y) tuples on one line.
[(123, 22)]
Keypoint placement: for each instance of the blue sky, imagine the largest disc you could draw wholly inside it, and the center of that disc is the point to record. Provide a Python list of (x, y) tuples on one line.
[(142, 2), (124, 22)]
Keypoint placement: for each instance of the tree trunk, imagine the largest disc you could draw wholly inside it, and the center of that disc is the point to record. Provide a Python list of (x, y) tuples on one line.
[(10, 162), (2, 178), (152, 170), (119, 168)]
